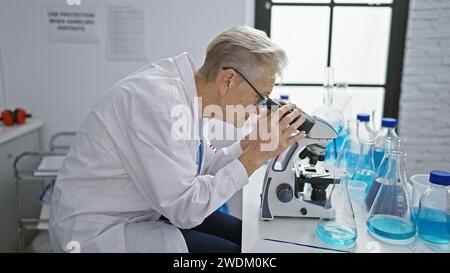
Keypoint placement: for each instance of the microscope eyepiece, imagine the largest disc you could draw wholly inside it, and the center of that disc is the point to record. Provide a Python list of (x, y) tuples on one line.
[(314, 152), (309, 120)]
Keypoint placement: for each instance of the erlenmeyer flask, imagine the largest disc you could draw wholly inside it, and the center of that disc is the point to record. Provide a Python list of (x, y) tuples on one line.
[(389, 218), (391, 144), (337, 224)]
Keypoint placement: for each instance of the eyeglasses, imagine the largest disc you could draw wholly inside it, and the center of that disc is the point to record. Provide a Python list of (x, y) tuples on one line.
[(263, 100)]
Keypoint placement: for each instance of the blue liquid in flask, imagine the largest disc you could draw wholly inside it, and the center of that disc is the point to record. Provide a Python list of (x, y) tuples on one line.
[(336, 234), (351, 162), (333, 147), (391, 227)]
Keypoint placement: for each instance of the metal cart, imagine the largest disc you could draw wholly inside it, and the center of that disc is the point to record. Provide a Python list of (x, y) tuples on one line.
[(46, 173)]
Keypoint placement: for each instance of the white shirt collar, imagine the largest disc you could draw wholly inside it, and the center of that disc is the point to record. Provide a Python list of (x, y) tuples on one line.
[(187, 68)]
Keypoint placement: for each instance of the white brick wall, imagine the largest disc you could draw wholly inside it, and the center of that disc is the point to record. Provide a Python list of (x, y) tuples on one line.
[(425, 98)]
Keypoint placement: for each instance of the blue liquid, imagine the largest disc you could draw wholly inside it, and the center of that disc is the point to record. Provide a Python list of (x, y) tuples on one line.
[(433, 225), (334, 146), (391, 227), (341, 137), (349, 163), (352, 161), (334, 234), (329, 153), (365, 176), (377, 157)]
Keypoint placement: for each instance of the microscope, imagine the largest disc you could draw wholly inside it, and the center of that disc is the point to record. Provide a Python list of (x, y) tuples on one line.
[(296, 181)]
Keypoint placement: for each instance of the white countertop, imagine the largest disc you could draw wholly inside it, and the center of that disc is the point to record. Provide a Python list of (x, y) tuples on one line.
[(8, 133), (298, 234)]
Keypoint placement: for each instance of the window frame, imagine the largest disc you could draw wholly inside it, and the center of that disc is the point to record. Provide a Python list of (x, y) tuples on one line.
[(2, 84), (396, 48)]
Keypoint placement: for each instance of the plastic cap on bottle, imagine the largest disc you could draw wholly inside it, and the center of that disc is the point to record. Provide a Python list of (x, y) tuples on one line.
[(284, 97), (440, 177), (363, 117), (389, 122)]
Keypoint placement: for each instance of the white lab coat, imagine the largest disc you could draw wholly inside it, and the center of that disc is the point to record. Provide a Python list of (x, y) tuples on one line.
[(124, 169)]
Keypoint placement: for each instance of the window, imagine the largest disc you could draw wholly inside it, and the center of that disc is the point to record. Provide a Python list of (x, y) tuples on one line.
[(363, 40)]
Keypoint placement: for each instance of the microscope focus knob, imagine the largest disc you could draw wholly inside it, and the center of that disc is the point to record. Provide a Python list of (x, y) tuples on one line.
[(285, 193), (304, 153), (313, 159)]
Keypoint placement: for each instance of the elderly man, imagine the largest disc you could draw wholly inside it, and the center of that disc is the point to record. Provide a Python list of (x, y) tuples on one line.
[(130, 183)]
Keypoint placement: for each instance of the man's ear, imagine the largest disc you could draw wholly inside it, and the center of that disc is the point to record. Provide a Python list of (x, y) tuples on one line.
[(226, 80)]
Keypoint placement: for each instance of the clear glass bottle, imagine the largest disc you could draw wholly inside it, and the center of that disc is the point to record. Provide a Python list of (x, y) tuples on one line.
[(433, 220), (330, 114), (389, 218), (365, 133), (392, 145), (337, 225), (388, 126), (365, 169)]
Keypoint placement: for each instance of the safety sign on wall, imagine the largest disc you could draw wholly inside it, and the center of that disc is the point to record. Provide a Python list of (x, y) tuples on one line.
[(71, 24), (126, 32)]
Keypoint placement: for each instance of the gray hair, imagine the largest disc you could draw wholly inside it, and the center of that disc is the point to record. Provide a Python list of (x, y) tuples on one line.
[(247, 49)]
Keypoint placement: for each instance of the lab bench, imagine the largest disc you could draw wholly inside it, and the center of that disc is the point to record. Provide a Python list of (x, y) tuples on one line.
[(298, 234)]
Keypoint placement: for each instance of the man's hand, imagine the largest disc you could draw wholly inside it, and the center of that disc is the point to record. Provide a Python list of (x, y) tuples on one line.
[(244, 144), (279, 134)]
